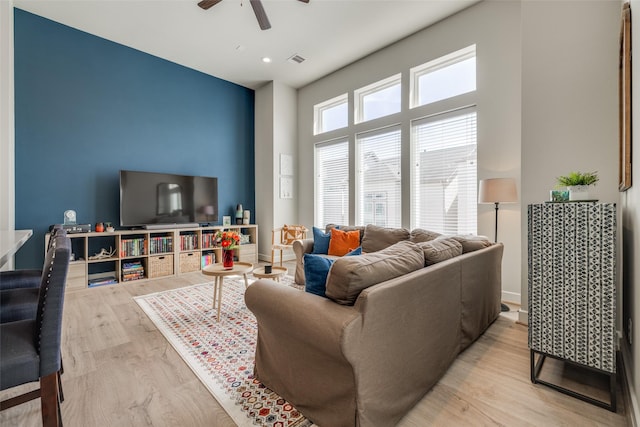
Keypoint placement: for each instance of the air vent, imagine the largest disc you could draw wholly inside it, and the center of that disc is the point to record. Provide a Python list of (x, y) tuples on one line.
[(297, 59)]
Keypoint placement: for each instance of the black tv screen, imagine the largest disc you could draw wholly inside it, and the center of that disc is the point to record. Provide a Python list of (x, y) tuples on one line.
[(150, 198)]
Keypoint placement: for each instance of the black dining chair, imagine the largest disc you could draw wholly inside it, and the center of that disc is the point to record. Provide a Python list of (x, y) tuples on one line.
[(19, 288), (27, 278), (30, 348)]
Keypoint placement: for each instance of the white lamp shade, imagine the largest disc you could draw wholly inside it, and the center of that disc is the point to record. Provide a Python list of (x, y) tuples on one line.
[(497, 190)]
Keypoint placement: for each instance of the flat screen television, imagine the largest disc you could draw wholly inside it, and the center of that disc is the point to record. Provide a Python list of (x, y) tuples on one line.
[(153, 200)]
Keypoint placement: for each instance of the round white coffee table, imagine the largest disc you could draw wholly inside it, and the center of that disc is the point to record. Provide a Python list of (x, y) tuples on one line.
[(276, 273), (219, 272)]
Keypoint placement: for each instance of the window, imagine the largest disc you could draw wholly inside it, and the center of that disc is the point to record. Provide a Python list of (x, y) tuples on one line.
[(378, 99), (332, 182), (444, 194), (443, 78), (379, 186), (331, 114)]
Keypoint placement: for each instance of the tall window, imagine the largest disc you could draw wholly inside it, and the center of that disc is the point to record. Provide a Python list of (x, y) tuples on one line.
[(444, 195), (379, 186), (332, 182), (378, 99), (331, 114), (445, 77)]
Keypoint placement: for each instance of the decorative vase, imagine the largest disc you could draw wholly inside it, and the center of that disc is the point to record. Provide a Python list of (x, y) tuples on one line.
[(99, 227), (578, 192), (227, 259)]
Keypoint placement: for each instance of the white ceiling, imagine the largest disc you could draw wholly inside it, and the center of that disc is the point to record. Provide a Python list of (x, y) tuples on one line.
[(225, 41)]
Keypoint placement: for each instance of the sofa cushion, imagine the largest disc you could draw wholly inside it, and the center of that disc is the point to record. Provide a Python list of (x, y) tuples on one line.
[(350, 275), (469, 242), (342, 242), (320, 241), (438, 250), (376, 238), (421, 235), (359, 228), (316, 268)]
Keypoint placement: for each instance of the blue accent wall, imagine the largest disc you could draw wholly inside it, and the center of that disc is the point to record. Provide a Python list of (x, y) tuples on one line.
[(87, 108)]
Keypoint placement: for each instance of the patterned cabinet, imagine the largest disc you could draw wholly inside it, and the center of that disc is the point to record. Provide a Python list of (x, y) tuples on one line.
[(572, 292)]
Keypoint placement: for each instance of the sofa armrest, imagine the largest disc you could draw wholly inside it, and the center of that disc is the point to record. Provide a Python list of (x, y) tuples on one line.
[(298, 315), (301, 247), (299, 350)]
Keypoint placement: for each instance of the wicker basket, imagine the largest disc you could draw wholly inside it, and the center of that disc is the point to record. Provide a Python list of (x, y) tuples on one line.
[(189, 261), (160, 266)]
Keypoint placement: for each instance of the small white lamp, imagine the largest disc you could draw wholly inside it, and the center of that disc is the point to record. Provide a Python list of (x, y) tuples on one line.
[(498, 190)]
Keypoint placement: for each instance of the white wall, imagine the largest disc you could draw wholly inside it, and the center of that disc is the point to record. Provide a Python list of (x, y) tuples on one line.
[(569, 100), (630, 207), (495, 29), (7, 127), (265, 190), (275, 134)]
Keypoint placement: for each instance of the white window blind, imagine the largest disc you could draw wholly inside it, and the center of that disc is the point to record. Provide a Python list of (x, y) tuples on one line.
[(379, 186), (444, 190), (332, 183)]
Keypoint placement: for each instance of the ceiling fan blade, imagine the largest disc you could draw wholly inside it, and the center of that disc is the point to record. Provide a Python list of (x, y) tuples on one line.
[(261, 15), (206, 4), (304, 1)]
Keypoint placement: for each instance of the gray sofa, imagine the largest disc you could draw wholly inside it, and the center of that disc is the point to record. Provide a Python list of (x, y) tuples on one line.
[(364, 357)]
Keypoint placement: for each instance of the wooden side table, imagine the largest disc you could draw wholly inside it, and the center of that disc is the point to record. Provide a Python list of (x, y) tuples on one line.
[(276, 273), (219, 272)]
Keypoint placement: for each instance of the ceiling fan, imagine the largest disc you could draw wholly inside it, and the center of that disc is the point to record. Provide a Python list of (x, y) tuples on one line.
[(258, 9)]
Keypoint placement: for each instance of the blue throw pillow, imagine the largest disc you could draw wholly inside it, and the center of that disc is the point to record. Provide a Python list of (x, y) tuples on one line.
[(320, 241), (316, 269), (356, 251)]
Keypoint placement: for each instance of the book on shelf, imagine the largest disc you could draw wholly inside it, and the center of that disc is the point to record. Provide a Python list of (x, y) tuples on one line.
[(133, 247), (188, 242)]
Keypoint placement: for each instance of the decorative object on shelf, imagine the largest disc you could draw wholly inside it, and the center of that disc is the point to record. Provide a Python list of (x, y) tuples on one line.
[(99, 227), (69, 217), (104, 254), (578, 184), (624, 167), (498, 190), (226, 220), (267, 269), (246, 218), (108, 227), (228, 241), (559, 195), (239, 214)]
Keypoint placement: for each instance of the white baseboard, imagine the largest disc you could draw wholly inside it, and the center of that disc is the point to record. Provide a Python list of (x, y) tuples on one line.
[(523, 316), (628, 391), (512, 297)]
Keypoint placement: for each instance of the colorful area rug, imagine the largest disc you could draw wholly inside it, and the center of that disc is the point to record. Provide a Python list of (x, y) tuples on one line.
[(221, 353)]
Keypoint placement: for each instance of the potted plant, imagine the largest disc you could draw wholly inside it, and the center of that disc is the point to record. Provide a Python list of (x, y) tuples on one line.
[(578, 184)]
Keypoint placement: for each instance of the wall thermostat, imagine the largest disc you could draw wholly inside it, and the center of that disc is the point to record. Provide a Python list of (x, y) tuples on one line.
[(69, 217)]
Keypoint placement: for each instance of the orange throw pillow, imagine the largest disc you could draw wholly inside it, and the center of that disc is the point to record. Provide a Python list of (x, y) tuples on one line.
[(343, 242)]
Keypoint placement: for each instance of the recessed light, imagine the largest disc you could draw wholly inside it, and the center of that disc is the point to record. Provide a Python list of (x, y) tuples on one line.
[(266, 59)]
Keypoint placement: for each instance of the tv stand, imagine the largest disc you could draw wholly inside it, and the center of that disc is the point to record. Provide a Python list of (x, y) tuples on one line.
[(161, 251)]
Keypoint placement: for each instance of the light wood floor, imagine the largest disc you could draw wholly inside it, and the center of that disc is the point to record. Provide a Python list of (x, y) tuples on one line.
[(120, 371)]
